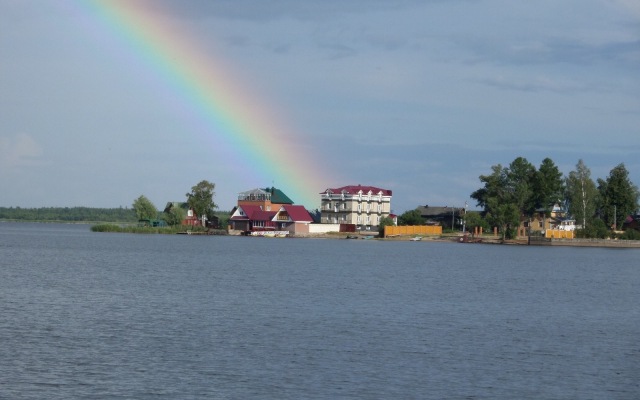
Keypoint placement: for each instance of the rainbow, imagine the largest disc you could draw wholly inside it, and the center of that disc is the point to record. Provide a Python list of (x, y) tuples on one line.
[(261, 148)]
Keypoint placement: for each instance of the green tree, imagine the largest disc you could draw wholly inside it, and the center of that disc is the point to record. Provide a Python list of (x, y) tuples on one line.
[(581, 194), (497, 199), (174, 216), (495, 186), (506, 195), (144, 208), (520, 185), (505, 216), (548, 186), (200, 199), (384, 221), (618, 196), (596, 229), (411, 217), (473, 220)]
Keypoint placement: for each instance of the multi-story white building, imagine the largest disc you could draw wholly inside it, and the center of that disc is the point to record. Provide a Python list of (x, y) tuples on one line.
[(359, 205)]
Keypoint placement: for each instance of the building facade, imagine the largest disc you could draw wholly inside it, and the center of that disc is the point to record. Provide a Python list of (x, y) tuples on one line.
[(362, 206)]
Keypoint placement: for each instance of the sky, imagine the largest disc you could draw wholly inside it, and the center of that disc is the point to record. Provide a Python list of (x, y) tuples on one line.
[(101, 102)]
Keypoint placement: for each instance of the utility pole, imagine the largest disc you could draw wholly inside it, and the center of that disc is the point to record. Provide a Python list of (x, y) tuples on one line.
[(464, 219), (453, 216)]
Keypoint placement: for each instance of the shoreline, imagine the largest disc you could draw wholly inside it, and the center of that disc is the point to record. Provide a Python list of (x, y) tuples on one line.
[(491, 240)]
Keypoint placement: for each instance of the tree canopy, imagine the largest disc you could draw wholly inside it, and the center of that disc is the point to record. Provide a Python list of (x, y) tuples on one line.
[(548, 186), (144, 208), (200, 199), (502, 194), (581, 194), (618, 196), (411, 217)]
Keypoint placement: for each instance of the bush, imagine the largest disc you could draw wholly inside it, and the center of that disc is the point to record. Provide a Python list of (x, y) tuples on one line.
[(148, 229), (630, 234), (106, 228), (595, 230)]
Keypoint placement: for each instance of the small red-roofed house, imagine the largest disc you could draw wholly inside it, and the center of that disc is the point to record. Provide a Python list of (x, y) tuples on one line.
[(252, 218), (293, 218), (249, 218)]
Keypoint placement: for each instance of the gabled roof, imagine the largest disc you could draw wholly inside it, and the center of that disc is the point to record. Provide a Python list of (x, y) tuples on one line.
[(434, 212), (247, 210), (177, 204), (262, 215), (252, 213), (278, 196), (296, 213), (355, 189)]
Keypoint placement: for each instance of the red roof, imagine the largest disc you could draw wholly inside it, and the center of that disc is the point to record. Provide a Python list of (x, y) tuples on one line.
[(354, 189), (262, 215), (297, 213), (254, 213)]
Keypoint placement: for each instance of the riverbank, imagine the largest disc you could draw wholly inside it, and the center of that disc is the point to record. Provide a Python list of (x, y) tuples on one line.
[(607, 243)]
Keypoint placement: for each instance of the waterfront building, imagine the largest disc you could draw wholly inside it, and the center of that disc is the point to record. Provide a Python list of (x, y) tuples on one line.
[(362, 206)]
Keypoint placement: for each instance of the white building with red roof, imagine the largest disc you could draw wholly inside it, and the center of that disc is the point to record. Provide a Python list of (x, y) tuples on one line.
[(362, 206)]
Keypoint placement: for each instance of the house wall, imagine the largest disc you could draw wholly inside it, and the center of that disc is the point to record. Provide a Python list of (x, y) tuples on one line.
[(324, 228), (294, 227), (265, 204), (239, 225)]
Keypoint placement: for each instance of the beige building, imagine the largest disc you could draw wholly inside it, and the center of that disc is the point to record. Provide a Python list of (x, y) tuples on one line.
[(362, 206)]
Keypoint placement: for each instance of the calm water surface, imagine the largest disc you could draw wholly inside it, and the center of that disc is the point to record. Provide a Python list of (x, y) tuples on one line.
[(118, 316)]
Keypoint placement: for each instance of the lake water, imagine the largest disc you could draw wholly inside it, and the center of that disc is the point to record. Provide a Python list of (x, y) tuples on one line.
[(120, 316)]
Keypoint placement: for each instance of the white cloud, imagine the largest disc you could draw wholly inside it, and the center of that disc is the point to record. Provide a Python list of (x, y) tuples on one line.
[(20, 150)]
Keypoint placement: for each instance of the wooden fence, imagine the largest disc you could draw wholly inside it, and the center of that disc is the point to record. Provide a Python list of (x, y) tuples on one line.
[(558, 234), (412, 230)]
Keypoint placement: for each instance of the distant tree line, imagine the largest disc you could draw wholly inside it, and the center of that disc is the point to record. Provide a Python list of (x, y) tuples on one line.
[(200, 199), (68, 214), (510, 194)]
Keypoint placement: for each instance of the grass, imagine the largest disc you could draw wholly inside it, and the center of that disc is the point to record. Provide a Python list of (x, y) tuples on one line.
[(146, 229)]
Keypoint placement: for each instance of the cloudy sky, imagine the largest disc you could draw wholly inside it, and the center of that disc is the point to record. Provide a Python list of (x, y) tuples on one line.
[(417, 96)]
